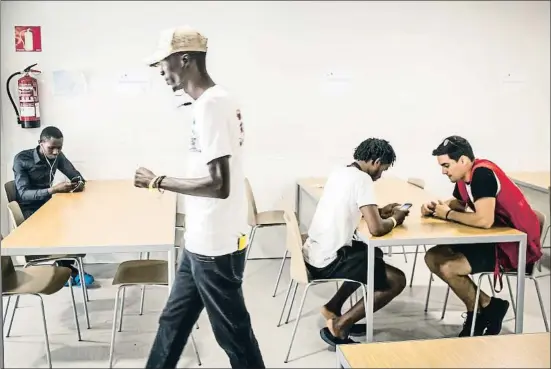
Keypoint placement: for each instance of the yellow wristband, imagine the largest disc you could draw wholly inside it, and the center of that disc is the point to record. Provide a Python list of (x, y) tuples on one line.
[(151, 183), (394, 221)]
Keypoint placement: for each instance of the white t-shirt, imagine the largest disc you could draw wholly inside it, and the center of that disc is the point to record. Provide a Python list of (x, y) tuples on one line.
[(337, 215), (213, 226)]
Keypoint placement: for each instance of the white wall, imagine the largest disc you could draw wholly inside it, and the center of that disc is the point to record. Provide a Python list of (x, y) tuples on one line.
[(409, 72)]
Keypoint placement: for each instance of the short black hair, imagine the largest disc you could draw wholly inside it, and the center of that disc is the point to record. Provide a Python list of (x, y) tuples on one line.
[(49, 133), (200, 58), (373, 149), (455, 147)]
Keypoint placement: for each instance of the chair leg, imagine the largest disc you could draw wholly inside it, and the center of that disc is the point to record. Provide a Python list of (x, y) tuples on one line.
[(476, 301), (445, 303), (280, 271), (543, 315), (297, 320), (12, 315), (122, 307), (428, 294), (80, 262), (491, 285), (142, 300), (432, 275), (147, 254), (114, 328), (285, 302), (414, 264), (74, 308), (292, 301), (511, 295), (405, 255), (195, 349), (250, 243), (84, 293), (7, 308), (48, 354)]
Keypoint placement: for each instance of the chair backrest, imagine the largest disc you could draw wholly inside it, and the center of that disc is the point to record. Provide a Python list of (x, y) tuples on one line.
[(251, 204), (542, 219), (15, 213), (10, 191), (299, 272), (418, 182)]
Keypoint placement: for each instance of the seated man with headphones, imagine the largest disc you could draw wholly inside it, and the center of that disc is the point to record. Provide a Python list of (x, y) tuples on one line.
[(34, 171)]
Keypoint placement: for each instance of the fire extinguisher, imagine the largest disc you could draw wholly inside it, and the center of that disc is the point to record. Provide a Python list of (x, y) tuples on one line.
[(28, 114)]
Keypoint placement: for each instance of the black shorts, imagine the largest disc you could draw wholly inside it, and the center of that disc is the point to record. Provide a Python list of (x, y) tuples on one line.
[(351, 263), (481, 256)]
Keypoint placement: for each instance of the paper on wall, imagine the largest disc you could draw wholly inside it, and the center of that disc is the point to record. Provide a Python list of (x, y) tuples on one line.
[(69, 83), (133, 82)]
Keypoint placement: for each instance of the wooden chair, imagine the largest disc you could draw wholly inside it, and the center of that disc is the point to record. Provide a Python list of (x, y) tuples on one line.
[(263, 219), (36, 281), (10, 189), (299, 273), (17, 219), (138, 273)]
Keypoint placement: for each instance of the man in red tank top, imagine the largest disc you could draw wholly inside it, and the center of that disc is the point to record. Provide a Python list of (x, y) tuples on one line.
[(492, 198)]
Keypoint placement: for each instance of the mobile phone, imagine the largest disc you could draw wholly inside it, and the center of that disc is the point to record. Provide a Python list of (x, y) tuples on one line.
[(76, 180), (406, 206)]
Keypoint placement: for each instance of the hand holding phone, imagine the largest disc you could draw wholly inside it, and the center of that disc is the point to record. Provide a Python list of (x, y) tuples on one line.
[(77, 183), (406, 206), (428, 208)]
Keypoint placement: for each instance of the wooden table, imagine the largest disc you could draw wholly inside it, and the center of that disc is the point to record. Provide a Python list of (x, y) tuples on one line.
[(536, 180), (419, 230), (507, 351), (107, 217), (536, 188)]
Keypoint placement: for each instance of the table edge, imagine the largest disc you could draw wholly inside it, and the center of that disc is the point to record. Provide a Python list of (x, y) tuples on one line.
[(42, 250)]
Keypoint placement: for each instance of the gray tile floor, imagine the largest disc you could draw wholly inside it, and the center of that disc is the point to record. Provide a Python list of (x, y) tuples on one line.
[(402, 319)]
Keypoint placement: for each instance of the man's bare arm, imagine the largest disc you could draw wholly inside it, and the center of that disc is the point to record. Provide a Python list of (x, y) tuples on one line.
[(215, 185)]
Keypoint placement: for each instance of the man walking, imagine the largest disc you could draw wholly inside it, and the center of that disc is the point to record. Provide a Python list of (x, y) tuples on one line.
[(211, 271)]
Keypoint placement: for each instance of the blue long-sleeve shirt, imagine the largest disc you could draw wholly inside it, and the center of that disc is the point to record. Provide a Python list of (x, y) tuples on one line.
[(33, 177)]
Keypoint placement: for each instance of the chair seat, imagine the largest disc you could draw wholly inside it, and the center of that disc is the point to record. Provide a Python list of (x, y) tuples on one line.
[(44, 280), (142, 272), (274, 217)]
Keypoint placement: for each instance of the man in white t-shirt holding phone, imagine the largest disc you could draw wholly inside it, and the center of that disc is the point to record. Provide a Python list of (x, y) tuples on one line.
[(210, 273), (332, 250)]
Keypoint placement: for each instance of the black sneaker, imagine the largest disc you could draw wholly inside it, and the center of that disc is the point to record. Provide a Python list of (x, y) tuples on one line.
[(494, 314), (479, 326), (358, 330), (333, 341)]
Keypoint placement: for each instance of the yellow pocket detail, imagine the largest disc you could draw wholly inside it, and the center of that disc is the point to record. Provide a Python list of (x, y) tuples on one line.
[(242, 243)]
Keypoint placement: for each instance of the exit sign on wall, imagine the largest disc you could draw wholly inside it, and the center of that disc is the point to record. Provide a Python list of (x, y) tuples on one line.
[(28, 38)]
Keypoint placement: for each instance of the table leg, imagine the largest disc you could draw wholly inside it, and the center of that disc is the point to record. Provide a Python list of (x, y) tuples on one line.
[(370, 293), (171, 267), (521, 273), (342, 363)]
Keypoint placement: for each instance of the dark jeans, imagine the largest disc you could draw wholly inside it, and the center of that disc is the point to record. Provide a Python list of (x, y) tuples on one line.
[(213, 283)]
